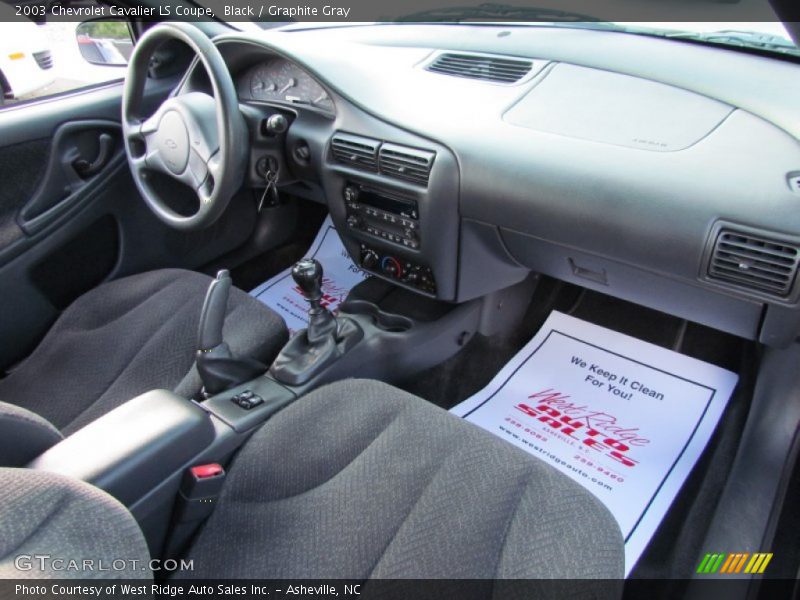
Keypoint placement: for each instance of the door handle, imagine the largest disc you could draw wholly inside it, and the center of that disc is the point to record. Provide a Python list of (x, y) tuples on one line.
[(86, 169), (72, 169)]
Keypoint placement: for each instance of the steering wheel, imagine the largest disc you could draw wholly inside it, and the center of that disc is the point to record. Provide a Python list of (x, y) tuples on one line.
[(197, 139)]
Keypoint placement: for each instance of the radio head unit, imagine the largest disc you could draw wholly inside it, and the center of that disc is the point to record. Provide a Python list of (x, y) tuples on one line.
[(385, 215)]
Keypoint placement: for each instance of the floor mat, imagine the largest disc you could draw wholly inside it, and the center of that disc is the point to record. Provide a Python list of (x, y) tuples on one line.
[(624, 418), (340, 275)]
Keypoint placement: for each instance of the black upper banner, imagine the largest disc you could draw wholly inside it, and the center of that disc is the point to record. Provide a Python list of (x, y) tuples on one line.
[(358, 11)]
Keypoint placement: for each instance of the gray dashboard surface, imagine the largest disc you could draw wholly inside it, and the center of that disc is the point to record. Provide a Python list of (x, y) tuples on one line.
[(606, 107), (556, 157)]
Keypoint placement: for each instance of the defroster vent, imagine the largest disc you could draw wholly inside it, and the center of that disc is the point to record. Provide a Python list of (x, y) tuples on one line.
[(486, 68), (754, 262)]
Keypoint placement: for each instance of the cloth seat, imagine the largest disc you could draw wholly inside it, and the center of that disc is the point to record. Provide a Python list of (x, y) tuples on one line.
[(360, 480), (48, 520), (129, 336)]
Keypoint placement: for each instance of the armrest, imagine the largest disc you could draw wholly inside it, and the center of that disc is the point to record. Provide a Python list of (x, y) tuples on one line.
[(134, 448)]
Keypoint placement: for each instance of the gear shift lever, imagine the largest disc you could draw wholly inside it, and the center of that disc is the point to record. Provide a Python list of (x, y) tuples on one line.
[(307, 274), (325, 340), (219, 369)]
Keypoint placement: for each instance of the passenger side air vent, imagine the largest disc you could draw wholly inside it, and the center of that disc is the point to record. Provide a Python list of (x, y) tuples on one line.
[(486, 68), (355, 151), (406, 163), (754, 262)]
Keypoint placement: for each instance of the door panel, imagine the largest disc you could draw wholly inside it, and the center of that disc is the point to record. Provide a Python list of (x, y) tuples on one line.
[(21, 168), (64, 230), (82, 154)]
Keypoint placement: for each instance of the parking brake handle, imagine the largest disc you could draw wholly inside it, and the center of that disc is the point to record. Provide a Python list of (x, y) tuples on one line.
[(212, 318), (218, 368)]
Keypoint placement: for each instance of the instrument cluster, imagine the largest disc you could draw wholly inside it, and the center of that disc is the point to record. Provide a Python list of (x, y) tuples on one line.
[(279, 80)]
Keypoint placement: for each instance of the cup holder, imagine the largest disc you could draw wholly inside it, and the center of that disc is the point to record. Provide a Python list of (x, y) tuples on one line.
[(383, 321)]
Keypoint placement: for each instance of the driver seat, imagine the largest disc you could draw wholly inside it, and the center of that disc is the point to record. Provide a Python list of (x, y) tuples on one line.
[(129, 336)]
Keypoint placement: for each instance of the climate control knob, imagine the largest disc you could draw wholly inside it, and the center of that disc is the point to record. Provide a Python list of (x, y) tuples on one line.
[(369, 259), (391, 267), (350, 194)]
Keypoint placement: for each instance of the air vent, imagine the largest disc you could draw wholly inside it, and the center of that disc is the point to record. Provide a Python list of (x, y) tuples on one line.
[(406, 163), (356, 151), (44, 59), (754, 262), (486, 68)]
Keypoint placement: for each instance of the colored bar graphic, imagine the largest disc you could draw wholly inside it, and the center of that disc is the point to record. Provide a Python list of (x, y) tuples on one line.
[(733, 562)]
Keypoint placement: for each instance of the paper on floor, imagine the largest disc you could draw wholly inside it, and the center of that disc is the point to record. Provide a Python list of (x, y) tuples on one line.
[(340, 276), (622, 417)]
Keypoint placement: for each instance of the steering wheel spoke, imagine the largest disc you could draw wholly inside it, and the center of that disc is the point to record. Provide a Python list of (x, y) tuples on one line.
[(197, 172), (154, 160)]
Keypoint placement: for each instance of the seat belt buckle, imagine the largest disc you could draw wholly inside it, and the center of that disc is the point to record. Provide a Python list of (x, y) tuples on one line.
[(200, 488)]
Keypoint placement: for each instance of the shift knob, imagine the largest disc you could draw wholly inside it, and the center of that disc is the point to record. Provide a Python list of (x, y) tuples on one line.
[(307, 274)]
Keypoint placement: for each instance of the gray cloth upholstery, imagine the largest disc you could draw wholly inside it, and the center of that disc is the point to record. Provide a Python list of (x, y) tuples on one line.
[(23, 435), (361, 480), (67, 520), (129, 336)]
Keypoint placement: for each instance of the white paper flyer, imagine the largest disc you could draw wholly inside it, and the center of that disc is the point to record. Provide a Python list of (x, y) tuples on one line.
[(624, 418)]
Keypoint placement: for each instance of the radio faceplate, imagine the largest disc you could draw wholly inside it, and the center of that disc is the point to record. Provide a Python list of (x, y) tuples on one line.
[(384, 215)]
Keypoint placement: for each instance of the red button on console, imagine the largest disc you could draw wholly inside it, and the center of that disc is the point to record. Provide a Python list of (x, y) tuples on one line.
[(206, 471)]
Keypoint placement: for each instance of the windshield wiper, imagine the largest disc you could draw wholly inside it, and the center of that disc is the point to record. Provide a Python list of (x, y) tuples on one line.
[(491, 11), (743, 39)]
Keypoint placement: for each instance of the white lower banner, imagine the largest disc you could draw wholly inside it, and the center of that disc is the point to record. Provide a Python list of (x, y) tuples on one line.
[(340, 275), (624, 418)]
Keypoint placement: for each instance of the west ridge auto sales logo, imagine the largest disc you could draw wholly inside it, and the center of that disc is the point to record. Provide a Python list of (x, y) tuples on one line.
[(597, 430)]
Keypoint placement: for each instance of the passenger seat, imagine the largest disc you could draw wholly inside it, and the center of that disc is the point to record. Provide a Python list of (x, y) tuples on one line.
[(360, 480)]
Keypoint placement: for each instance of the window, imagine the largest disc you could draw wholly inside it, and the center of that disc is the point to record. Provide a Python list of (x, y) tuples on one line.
[(39, 60)]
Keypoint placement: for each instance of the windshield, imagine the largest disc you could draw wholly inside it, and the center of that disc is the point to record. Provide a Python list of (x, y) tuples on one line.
[(770, 37), (764, 36)]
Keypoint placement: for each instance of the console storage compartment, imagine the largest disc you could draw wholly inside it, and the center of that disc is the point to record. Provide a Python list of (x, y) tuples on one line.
[(133, 449)]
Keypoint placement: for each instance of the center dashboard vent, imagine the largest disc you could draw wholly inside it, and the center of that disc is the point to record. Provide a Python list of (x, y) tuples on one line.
[(392, 160), (485, 68), (406, 163), (356, 151), (754, 262)]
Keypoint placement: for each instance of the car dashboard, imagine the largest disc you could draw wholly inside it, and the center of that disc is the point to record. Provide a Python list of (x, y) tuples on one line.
[(455, 160)]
